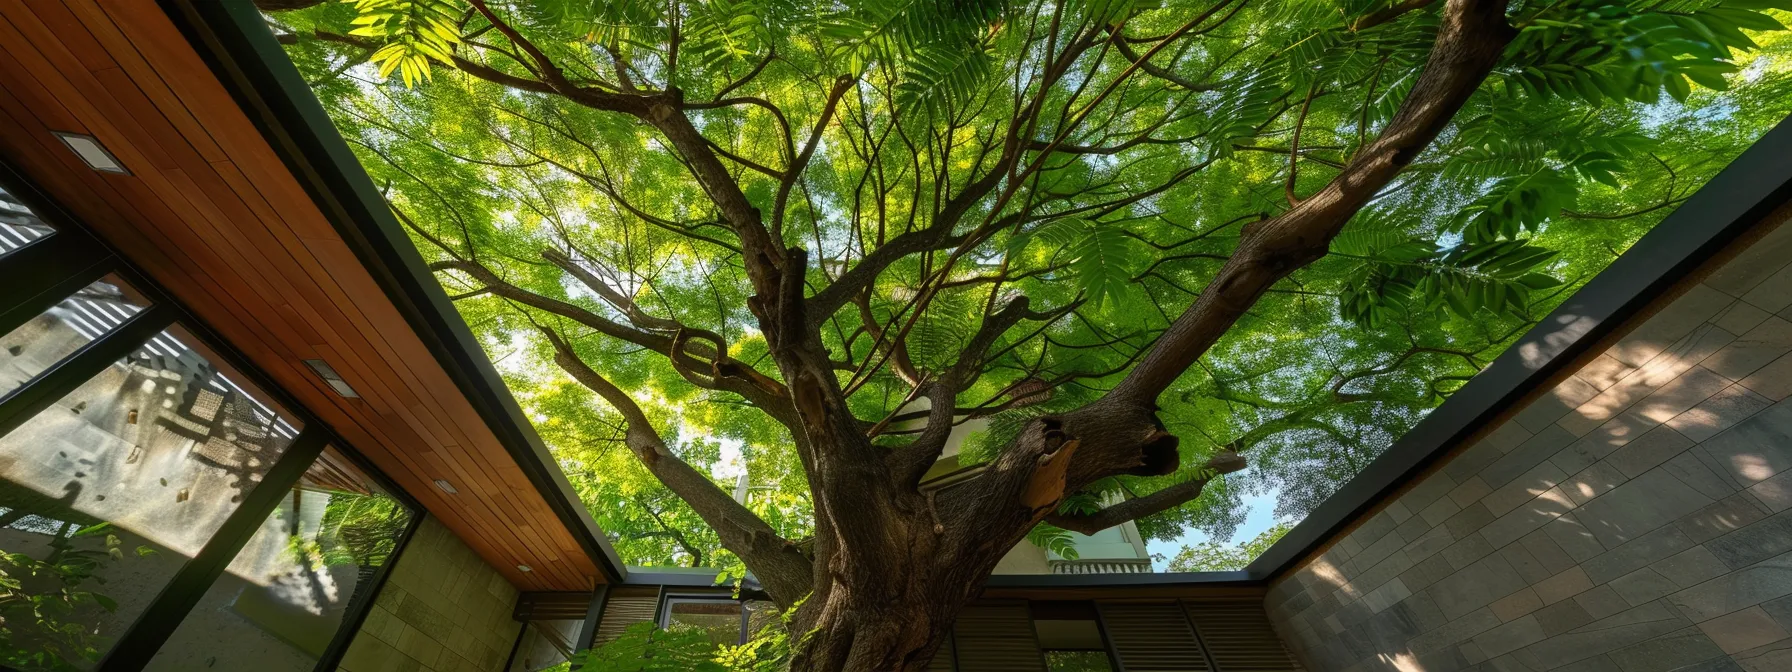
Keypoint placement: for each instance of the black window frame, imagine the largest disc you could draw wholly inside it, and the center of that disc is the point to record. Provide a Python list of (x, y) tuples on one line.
[(39, 275)]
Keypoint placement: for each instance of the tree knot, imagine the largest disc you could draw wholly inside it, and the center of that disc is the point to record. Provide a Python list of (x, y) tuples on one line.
[(1045, 488)]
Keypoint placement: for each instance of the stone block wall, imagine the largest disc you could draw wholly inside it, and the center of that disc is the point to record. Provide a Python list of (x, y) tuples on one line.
[(1636, 518), (442, 610)]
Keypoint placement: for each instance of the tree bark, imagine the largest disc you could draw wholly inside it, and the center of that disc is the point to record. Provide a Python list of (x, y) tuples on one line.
[(891, 565), (889, 596)]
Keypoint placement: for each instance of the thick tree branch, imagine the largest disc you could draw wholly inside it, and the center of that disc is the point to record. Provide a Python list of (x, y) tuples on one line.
[(779, 564), (726, 375), (912, 461), (1156, 502), (640, 318), (1470, 39)]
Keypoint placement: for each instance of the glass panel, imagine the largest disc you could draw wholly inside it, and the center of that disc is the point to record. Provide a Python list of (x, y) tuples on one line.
[(1077, 661), (49, 338), (721, 619), (18, 226), (104, 495), (761, 614), (285, 595), (546, 645)]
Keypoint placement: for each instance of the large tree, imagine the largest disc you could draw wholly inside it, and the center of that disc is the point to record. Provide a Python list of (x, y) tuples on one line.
[(1146, 243)]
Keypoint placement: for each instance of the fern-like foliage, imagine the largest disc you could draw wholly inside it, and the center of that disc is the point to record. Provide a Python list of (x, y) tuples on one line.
[(1604, 50), (1398, 273), (1101, 256), (412, 32), (611, 23), (643, 647), (723, 32), (941, 48), (939, 73), (1103, 262), (1053, 539)]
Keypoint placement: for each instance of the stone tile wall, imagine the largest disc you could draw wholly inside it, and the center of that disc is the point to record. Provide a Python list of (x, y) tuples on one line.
[(1637, 518), (442, 610)]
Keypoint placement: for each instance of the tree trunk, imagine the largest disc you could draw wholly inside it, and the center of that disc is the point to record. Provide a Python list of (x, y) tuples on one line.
[(864, 635), (897, 575), (897, 622)]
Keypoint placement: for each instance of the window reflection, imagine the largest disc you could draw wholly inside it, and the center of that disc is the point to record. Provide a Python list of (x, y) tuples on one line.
[(49, 338), (18, 226), (722, 619), (110, 490), (546, 645), (286, 593)]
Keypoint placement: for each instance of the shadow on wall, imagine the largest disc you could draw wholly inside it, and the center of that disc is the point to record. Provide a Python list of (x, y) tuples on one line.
[(1636, 517)]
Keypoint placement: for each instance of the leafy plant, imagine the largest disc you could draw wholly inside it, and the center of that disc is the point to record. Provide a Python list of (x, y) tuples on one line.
[(756, 242), (1599, 50), (643, 647), (47, 608), (1399, 274), (360, 530), (1054, 539), (412, 33)]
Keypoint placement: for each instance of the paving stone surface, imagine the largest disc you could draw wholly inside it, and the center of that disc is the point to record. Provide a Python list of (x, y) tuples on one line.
[(1636, 517)]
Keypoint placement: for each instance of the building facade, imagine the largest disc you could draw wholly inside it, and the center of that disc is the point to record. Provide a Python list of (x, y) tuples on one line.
[(242, 428)]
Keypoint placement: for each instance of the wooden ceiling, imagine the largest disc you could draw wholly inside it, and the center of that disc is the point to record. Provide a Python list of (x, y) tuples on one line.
[(211, 212)]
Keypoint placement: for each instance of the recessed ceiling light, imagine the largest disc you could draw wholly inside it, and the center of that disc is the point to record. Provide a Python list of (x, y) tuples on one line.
[(446, 487), (524, 568), (92, 152), (331, 378)]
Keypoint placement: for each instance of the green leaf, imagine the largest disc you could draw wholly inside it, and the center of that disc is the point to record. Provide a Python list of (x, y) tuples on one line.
[(940, 74), (1103, 261), (1514, 204), (1054, 540)]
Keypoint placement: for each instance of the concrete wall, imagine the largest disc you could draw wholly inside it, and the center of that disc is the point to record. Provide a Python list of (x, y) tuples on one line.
[(1637, 518), (442, 610)]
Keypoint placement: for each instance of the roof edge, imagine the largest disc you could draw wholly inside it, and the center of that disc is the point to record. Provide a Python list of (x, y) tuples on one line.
[(233, 39), (1732, 203)]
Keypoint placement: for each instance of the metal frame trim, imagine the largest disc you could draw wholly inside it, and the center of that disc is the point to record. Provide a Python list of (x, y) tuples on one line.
[(234, 40), (594, 617), (41, 259)]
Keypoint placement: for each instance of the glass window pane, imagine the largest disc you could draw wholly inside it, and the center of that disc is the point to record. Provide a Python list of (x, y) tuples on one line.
[(18, 226), (721, 619), (546, 645), (104, 495), (49, 338), (285, 595)]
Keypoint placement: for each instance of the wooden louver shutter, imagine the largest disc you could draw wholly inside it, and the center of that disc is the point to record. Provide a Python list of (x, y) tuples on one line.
[(1151, 637), (551, 606), (621, 612), (942, 659), (1239, 637), (997, 637)]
